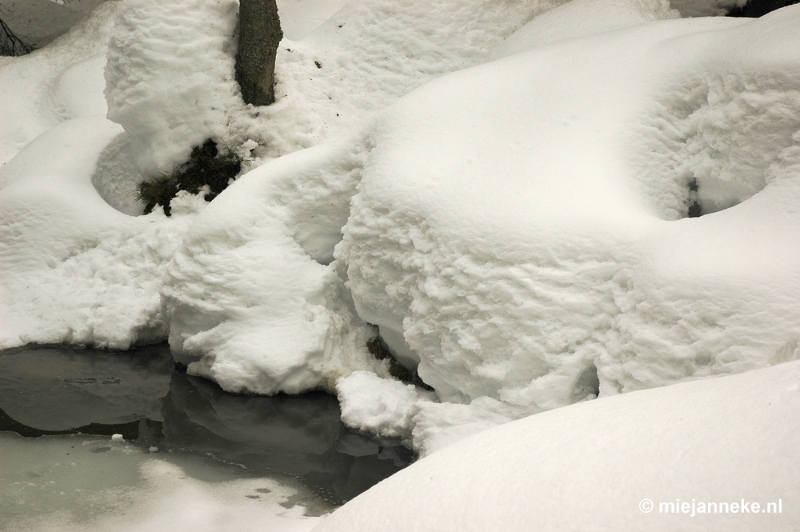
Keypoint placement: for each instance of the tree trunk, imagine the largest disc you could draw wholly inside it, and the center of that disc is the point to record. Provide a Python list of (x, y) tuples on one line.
[(259, 36)]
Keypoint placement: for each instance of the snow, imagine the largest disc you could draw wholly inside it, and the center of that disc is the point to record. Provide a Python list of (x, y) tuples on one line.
[(500, 189), (301, 17), (588, 466), (379, 405), (249, 306), (169, 77), (516, 226), (581, 18), (253, 297)]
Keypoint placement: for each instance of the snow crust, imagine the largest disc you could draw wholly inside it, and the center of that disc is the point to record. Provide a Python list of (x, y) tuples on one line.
[(382, 406), (169, 77), (516, 229), (588, 466), (581, 18)]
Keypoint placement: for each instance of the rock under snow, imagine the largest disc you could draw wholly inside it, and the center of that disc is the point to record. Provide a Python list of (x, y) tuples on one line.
[(520, 227)]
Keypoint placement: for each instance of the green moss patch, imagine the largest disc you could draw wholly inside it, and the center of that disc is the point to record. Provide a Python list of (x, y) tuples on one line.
[(206, 166)]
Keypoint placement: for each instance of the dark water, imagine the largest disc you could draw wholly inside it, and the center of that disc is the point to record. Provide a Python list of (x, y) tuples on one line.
[(140, 395)]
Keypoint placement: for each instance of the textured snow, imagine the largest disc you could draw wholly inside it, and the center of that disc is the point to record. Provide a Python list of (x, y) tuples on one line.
[(588, 466), (169, 77), (515, 228), (581, 18), (249, 305), (379, 405), (254, 299), (519, 227)]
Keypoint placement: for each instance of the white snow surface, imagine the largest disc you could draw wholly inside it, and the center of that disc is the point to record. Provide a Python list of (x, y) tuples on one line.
[(301, 17), (254, 299), (515, 228), (581, 18), (590, 466), (520, 226), (249, 305), (382, 406), (73, 268), (170, 77)]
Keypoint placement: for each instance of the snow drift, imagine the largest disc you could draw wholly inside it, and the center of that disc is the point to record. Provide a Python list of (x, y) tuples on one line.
[(597, 465), (520, 228)]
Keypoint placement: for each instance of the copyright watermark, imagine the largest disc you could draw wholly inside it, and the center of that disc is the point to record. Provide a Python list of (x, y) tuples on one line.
[(694, 507)]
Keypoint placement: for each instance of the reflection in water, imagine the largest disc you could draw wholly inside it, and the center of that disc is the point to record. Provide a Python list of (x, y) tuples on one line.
[(138, 394)]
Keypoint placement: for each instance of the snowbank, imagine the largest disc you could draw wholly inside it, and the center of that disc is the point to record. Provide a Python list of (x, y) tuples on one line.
[(249, 305), (517, 230), (581, 18), (253, 297), (169, 77), (75, 270), (599, 465), (520, 231)]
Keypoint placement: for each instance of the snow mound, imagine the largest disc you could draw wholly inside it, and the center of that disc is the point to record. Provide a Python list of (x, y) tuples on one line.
[(54, 84), (513, 236), (254, 298), (581, 18), (249, 305), (598, 465), (74, 269), (378, 405), (169, 77)]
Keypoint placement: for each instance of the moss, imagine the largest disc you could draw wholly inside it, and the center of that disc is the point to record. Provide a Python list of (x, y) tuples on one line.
[(206, 166), (375, 346)]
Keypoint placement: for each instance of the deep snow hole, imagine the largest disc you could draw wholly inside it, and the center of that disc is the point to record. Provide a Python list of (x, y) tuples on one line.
[(718, 139)]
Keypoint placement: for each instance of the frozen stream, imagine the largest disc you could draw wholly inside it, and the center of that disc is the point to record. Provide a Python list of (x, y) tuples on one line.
[(193, 456)]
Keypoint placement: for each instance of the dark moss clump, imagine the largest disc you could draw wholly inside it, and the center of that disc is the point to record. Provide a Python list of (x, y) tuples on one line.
[(397, 371), (206, 166)]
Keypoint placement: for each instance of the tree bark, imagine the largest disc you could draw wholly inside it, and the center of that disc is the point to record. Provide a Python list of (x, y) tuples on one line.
[(259, 36)]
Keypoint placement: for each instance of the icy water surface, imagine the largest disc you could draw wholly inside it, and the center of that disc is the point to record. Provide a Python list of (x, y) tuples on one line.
[(49, 395)]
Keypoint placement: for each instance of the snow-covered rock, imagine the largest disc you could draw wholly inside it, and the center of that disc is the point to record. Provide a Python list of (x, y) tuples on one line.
[(520, 227), (378, 405), (169, 77), (253, 297), (628, 462)]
